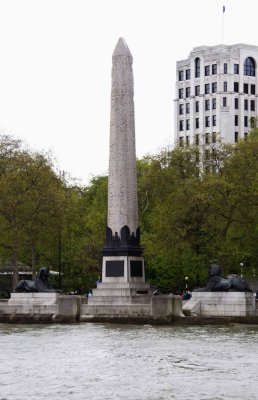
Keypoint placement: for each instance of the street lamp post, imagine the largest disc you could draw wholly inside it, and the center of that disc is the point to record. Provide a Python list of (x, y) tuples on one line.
[(186, 280), (241, 269)]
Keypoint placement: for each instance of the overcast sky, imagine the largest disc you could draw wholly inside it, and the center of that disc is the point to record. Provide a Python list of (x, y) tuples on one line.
[(55, 69)]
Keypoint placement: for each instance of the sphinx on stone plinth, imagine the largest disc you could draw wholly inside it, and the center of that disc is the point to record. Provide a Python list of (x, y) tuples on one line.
[(39, 284), (217, 283), (221, 297)]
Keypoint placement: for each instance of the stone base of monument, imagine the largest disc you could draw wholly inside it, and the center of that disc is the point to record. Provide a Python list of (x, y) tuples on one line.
[(123, 302), (220, 304), (121, 292), (40, 307), (123, 268), (130, 301), (118, 299)]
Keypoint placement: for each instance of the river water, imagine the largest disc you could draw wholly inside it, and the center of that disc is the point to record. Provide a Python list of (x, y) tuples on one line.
[(112, 361)]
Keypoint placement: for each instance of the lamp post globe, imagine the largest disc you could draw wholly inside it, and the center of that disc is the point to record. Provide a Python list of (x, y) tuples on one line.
[(186, 280)]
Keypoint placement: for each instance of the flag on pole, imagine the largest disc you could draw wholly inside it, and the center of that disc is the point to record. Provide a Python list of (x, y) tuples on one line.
[(224, 9)]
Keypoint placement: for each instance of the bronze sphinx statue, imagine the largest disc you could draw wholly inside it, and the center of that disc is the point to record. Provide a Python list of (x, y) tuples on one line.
[(39, 284), (217, 283)]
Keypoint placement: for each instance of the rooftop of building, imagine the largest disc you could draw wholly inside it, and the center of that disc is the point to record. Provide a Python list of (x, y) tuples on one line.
[(224, 47), (221, 48)]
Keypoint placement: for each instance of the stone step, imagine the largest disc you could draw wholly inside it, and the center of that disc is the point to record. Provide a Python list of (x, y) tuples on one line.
[(119, 292), (124, 285), (119, 299)]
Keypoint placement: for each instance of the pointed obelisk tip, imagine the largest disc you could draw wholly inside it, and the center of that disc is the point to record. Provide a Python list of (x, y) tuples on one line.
[(122, 49)]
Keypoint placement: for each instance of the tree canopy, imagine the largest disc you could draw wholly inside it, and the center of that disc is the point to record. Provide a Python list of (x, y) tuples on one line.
[(190, 215)]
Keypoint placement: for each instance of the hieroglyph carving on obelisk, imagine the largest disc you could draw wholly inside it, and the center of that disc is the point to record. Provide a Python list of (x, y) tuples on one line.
[(122, 181)]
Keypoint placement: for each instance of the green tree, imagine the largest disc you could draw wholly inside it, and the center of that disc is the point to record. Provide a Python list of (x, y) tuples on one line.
[(30, 203), (84, 234)]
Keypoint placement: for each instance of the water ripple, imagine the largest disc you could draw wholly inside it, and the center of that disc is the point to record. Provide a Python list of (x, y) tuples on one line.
[(112, 361)]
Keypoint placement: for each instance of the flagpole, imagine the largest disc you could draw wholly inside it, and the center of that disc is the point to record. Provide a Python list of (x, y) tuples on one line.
[(222, 33)]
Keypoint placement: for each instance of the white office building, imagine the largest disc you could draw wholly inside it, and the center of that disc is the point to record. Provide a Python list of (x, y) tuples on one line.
[(216, 94)]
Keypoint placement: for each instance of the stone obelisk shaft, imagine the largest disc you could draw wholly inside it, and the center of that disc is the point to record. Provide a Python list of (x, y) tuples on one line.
[(122, 183)]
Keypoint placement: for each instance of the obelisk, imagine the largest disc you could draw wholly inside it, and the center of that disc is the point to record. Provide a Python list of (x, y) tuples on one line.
[(122, 258)]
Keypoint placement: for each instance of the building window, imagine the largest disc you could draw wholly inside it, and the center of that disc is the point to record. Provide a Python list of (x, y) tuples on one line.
[(197, 140), (214, 120), (236, 68), (207, 138), (207, 156), (252, 105), (245, 121), (214, 69), (252, 89), (181, 141), (249, 67), (224, 102), (197, 67), (180, 75), (245, 135), (207, 70), (207, 105), (180, 93), (225, 86), (207, 88), (253, 122), (236, 87), (188, 124), (187, 140), (181, 125), (207, 121), (197, 90), (187, 92), (197, 106), (246, 104), (214, 137), (245, 88), (236, 137), (236, 103), (214, 87), (225, 68), (188, 74), (214, 103), (181, 109), (236, 120), (197, 123), (187, 108)]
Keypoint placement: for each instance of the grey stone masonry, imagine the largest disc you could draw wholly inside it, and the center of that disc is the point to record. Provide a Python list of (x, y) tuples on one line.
[(110, 311), (122, 185), (34, 306), (220, 304), (121, 292)]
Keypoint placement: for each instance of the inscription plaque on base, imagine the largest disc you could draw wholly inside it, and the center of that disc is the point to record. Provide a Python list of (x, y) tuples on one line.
[(114, 268), (136, 269)]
